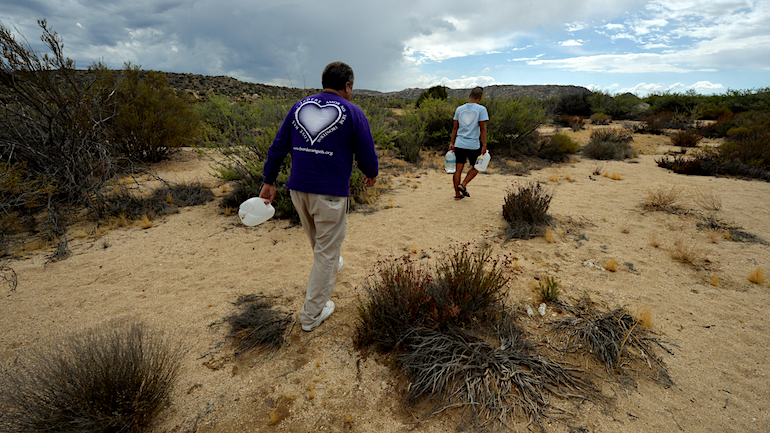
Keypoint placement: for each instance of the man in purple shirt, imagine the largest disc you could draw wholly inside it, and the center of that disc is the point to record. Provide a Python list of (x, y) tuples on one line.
[(323, 132)]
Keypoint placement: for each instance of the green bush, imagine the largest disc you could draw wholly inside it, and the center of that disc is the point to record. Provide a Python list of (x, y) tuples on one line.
[(601, 119), (556, 147), (608, 150), (382, 122), (749, 140), (575, 104), (152, 121), (117, 379), (513, 124), (435, 92)]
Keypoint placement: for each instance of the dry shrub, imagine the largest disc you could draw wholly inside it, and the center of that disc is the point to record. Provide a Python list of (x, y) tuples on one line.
[(757, 276), (493, 379), (654, 239), (463, 287), (688, 138), (662, 198), (526, 210), (611, 265), (257, 324), (614, 338), (707, 199), (117, 379), (685, 251)]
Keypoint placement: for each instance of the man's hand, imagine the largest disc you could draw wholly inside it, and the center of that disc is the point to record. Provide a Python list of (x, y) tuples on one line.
[(369, 181), (484, 149), (452, 147), (268, 192)]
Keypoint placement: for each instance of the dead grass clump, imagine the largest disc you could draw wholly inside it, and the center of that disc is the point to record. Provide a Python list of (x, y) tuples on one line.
[(707, 199), (662, 198), (464, 287), (257, 325), (115, 380), (685, 251), (526, 210), (611, 265), (655, 239), (614, 338), (492, 379), (757, 276)]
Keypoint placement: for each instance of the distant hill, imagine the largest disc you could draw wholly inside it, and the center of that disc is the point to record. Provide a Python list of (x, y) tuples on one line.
[(201, 86), (496, 91)]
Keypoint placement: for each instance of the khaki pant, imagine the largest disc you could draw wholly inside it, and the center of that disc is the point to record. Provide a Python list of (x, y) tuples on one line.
[(325, 220)]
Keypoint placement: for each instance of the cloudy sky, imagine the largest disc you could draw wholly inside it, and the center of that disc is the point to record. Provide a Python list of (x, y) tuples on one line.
[(638, 46)]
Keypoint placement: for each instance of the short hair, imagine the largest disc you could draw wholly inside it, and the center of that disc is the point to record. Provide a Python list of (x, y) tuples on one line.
[(336, 75), (477, 93)]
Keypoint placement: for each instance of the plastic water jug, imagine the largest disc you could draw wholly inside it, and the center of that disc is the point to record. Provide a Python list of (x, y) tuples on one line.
[(255, 211), (482, 162), (451, 162)]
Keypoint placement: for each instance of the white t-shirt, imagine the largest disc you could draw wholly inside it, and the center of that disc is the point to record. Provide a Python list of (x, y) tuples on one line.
[(468, 117)]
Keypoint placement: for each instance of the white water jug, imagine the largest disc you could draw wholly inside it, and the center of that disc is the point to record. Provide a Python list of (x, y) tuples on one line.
[(451, 162), (482, 162), (255, 211)]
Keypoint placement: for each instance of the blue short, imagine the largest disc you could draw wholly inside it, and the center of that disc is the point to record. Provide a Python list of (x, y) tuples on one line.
[(469, 155)]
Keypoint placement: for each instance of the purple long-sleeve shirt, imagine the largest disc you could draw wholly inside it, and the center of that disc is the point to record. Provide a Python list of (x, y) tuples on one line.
[(323, 132)]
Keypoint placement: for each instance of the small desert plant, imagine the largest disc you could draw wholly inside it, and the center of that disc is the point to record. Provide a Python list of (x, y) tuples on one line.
[(115, 380), (614, 338), (548, 288), (688, 138), (526, 210), (655, 123), (685, 251), (611, 265), (662, 198), (757, 276), (707, 199), (161, 201), (607, 150), (464, 287), (258, 324), (492, 382), (601, 119), (618, 135), (556, 147)]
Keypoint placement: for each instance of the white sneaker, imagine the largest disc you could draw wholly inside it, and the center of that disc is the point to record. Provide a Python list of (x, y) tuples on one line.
[(325, 313), (339, 268)]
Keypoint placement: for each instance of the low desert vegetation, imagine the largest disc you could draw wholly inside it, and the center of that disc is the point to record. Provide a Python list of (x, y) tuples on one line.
[(548, 288), (662, 198), (707, 199), (116, 379), (609, 144), (686, 138), (258, 325), (525, 210), (757, 276), (615, 339)]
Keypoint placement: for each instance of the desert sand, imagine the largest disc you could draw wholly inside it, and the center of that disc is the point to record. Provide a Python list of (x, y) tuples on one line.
[(182, 275)]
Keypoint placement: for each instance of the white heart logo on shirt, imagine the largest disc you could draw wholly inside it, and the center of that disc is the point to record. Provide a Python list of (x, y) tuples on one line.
[(467, 118), (315, 118)]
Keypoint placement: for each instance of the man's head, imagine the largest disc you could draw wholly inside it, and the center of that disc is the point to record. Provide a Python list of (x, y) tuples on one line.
[(476, 94), (336, 75)]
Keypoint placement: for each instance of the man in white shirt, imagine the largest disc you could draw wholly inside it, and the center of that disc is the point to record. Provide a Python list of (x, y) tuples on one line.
[(469, 139)]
